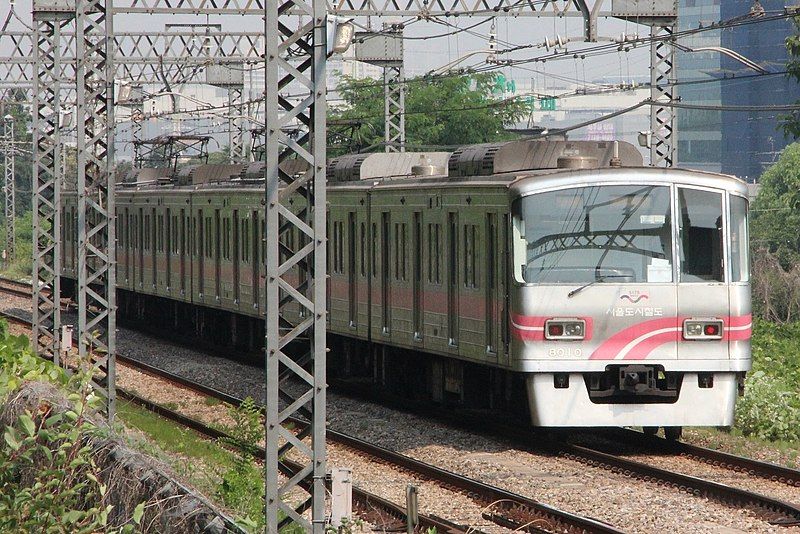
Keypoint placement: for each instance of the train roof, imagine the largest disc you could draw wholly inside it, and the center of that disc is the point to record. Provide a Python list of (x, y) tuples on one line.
[(530, 183)]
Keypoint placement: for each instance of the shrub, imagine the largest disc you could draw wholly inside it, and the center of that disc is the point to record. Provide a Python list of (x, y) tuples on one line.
[(49, 481), (769, 409), (242, 486)]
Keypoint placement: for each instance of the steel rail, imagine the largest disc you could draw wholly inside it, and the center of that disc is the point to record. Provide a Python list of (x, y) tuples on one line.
[(772, 510), (364, 499), (509, 503), (725, 460)]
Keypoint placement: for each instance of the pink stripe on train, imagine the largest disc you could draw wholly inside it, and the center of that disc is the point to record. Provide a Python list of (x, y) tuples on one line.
[(635, 342)]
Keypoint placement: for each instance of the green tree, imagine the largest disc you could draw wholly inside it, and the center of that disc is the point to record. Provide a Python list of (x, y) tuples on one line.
[(440, 111), (790, 124), (775, 223)]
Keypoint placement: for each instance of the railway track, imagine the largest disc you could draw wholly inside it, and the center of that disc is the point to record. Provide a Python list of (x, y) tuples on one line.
[(526, 510), (14, 287), (504, 508), (774, 511)]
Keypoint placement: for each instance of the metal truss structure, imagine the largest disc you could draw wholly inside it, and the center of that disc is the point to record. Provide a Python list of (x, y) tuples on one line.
[(94, 72), (9, 189), (385, 49), (46, 180), (394, 107), (663, 123), (296, 269), (164, 151), (294, 54), (236, 130)]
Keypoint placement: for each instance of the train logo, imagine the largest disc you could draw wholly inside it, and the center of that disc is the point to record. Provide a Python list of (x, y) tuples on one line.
[(634, 296)]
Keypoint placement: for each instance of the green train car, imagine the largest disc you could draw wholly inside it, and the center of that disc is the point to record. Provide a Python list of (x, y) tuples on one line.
[(467, 277)]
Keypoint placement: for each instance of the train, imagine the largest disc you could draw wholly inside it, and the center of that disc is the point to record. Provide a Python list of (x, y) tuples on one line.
[(562, 280)]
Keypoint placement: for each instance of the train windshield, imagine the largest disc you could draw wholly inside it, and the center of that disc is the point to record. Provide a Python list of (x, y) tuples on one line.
[(611, 233)]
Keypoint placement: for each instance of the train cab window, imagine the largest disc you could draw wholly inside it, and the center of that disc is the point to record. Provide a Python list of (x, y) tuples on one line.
[(740, 262), (600, 234), (700, 235)]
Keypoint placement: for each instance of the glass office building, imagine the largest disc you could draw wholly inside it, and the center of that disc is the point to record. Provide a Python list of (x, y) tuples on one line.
[(733, 142)]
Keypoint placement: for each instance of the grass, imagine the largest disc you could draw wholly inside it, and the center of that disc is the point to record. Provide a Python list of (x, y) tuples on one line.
[(172, 438)]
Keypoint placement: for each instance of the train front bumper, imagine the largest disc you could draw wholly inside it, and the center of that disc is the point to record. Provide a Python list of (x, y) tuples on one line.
[(571, 406)]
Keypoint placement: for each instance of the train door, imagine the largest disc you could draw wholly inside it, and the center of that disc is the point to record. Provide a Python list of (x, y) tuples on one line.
[(491, 285), (182, 252), (142, 236), (702, 291), (416, 275), (385, 274), (503, 292), (452, 278), (254, 262), (126, 242), (352, 283), (217, 254), (234, 257), (167, 246), (200, 242)]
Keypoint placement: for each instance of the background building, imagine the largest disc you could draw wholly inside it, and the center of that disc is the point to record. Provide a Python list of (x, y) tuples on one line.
[(739, 143)]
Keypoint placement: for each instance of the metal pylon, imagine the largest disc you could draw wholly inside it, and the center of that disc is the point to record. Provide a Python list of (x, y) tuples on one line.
[(295, 268), (663, 148), (94, 72), (8, 186), (236, 142), (394, 107), (46, 180)]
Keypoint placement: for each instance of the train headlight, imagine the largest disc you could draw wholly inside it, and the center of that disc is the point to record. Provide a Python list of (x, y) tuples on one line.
[(565, 329), (702, 329)]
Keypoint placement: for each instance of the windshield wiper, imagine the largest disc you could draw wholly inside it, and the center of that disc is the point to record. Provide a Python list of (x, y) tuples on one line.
[(593, 282)]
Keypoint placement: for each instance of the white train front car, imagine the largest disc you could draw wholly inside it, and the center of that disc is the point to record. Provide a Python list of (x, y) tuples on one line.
[(631, 299)]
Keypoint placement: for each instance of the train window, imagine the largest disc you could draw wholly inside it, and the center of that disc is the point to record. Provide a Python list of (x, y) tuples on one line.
[(146, 232), (600, 234), (470, 234), (209, 240), (400, 251), (363, 250), (245, 240), (335, 248), (373, 253), (700, 230), (434, 251), (226, 238), (175, 245), (160, 234), (740, 262)]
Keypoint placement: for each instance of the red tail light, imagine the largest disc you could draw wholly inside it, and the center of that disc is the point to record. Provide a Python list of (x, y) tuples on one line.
[(567, 329), (555, 330), (702, 329)]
